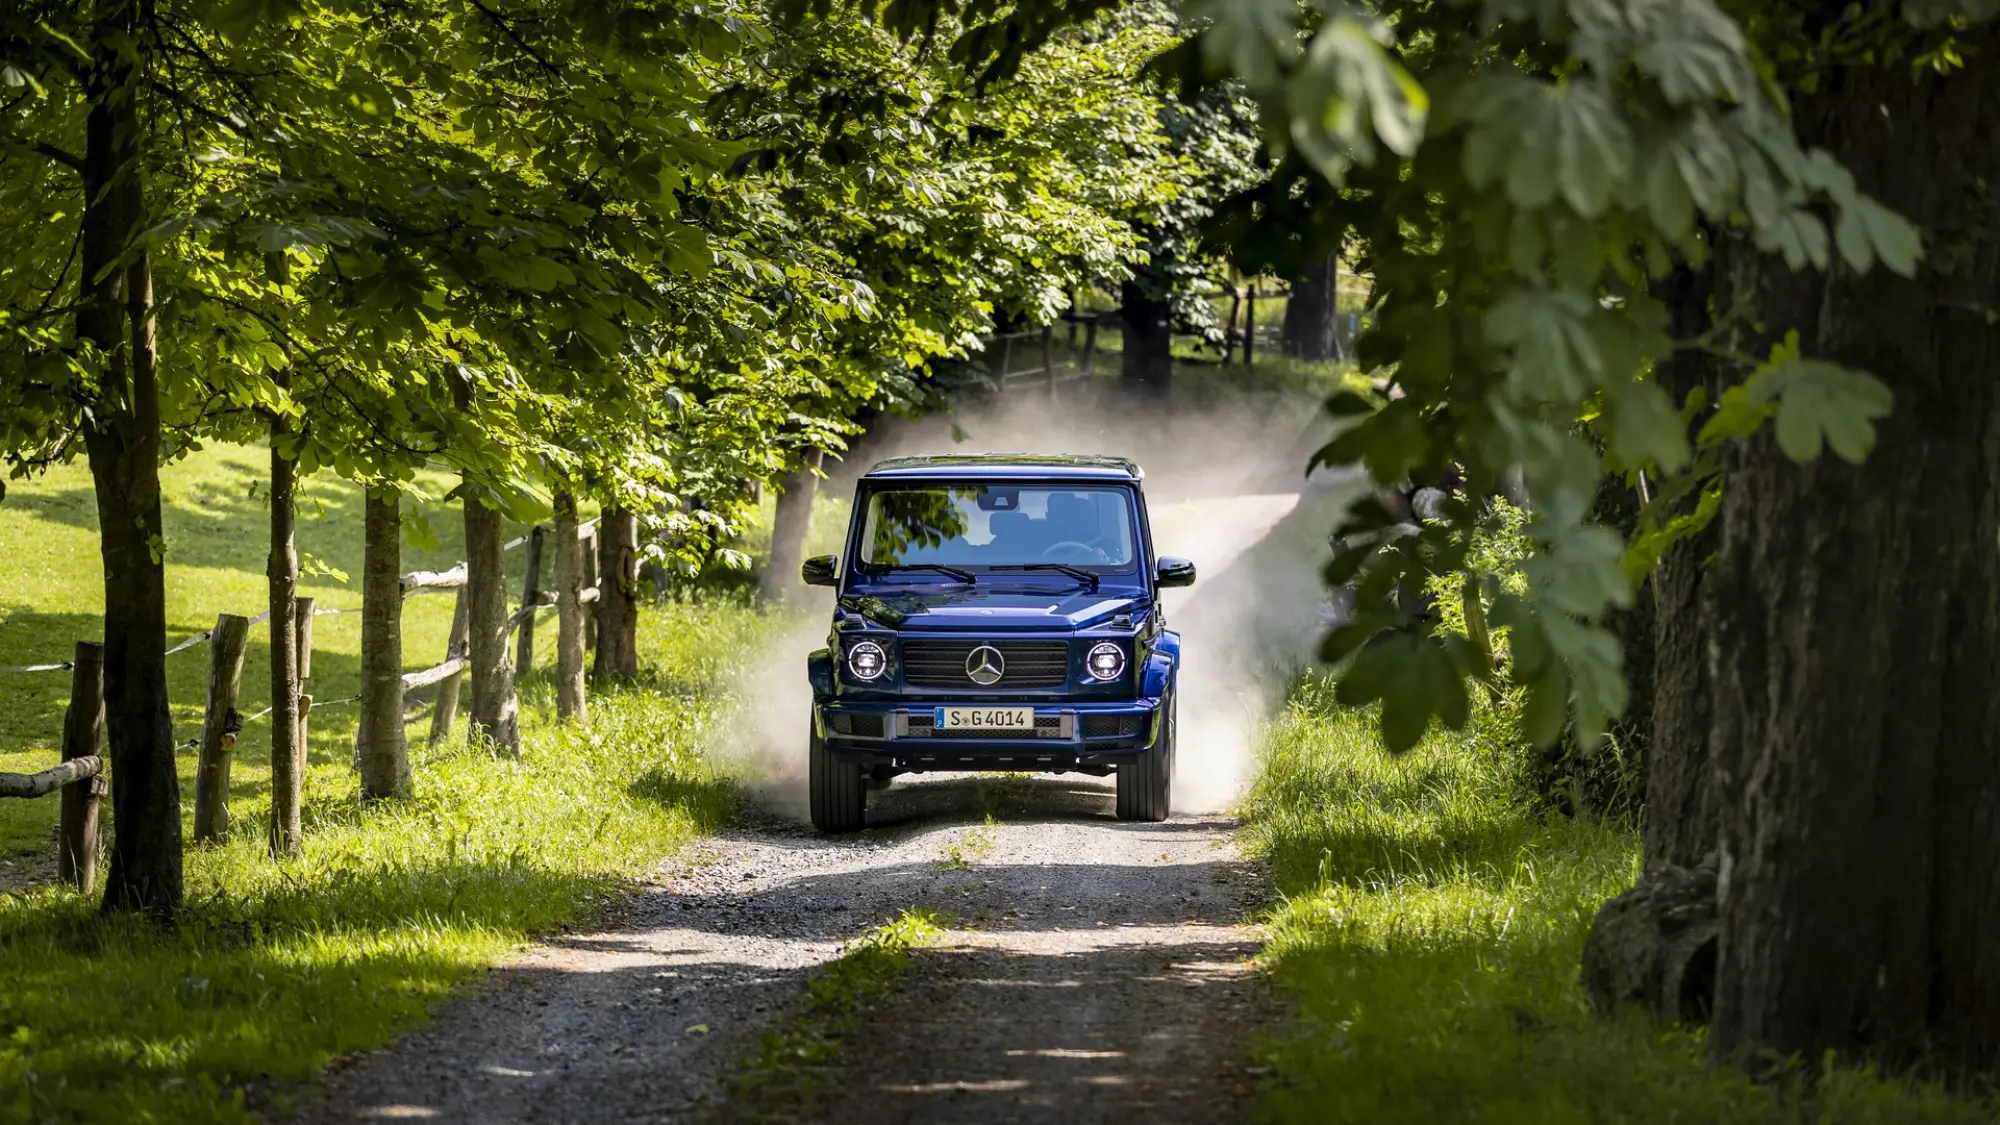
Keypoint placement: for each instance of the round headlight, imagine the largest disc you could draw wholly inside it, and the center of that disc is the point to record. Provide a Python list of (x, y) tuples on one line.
[(867, 661), (1105, 661)]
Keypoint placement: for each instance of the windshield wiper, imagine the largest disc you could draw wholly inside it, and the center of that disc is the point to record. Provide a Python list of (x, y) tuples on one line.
[(1075, 572), (964, 576)]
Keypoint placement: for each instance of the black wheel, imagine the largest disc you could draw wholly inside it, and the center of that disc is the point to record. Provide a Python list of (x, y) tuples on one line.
[(1146, 784), (839, 799)]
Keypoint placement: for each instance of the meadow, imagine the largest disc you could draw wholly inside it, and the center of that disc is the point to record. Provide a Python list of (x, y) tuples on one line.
[(275, 968)]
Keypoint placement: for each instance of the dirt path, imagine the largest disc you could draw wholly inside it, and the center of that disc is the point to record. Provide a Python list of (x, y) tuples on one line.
[(1095, 966)]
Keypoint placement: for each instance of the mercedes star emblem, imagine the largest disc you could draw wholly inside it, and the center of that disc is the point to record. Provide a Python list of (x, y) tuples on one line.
[(984, 666)]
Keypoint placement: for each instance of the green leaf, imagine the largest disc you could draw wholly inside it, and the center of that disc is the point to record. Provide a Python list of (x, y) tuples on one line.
[(1645, 427), (1799, 235), (1254, 40), (1867, 230), (1544, 140), (1579, 574), (1415, 681), (1693, 50), (1555, 355), (1822, 403), (1348, 93)]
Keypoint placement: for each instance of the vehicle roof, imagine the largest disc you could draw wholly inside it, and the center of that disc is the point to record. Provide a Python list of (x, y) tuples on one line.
[(1008, 466)]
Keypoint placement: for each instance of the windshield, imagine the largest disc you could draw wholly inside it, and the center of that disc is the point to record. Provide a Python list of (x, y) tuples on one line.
[(979, 526)]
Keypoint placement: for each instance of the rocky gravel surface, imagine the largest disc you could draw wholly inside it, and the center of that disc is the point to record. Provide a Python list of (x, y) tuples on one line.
[(1093, 971)]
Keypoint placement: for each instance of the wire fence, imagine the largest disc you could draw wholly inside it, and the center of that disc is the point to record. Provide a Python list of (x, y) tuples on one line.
[(209, 634)]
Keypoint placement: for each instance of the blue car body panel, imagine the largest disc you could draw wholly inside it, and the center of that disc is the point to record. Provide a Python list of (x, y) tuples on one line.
[(1044, 621)]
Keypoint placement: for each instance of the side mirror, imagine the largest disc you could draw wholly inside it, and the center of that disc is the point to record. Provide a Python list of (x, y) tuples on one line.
[(819, 571), (1173, 572)]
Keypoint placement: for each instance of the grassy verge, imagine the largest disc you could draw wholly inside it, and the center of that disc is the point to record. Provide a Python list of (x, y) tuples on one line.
[(1428, 941), (277, 968), (782, 1078)]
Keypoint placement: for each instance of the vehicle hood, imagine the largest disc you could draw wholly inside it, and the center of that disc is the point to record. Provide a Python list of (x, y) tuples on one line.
[(993, 611)]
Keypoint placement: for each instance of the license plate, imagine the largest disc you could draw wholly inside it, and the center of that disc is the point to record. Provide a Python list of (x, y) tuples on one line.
[(984, 718)]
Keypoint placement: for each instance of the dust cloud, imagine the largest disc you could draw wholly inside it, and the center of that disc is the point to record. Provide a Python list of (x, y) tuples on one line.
[(1225, 488)]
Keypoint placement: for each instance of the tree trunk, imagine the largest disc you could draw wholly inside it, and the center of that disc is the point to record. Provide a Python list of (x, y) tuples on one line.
[(570, 701), (1312, 322), (380, 749), (790, 523), (495, 713), (288, 758), (1147, 367), (122, 438), (618, 597), (1680, 816), (1856, 618)]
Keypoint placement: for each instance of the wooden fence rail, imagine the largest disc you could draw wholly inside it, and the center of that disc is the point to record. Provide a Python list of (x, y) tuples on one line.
[(49, 780), (450, 672), (80, 775)]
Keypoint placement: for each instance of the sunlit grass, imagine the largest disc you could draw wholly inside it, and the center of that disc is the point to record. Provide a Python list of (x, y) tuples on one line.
[(276, 968), (279, 967), (1427, 948)]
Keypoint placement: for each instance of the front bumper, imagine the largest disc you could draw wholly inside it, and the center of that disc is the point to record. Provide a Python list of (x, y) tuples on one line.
[(1089, 737)]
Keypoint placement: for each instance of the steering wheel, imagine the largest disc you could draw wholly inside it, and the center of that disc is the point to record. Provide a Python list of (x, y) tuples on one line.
[(1074, 549)]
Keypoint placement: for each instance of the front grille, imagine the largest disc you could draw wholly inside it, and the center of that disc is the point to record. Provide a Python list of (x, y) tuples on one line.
[(1046, 726), (1111, 726), (860, 726), (1030, 664)]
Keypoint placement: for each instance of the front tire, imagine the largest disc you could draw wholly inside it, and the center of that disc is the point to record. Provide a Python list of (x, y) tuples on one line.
[(838, 795), (1146, 783)]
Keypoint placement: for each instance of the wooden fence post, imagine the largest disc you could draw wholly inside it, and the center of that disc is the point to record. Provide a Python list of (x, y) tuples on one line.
[(83, 733), (570, 696), (1049, 358), (305, 618), (531, 594), (1250, 329), (1229, 337), (219, 727), (588, 546), (446, 709)]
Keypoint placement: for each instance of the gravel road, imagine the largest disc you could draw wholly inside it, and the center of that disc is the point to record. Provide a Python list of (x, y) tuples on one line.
[(1096, 971), (1094, 966)]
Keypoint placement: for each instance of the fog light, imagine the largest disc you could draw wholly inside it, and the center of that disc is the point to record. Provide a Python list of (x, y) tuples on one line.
[(1105, 661), (867, 661)]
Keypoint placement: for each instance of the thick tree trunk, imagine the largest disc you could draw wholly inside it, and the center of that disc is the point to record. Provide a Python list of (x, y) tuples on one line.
[(618, 597), (1147, 367), (1856, 618), (495, 713), (380, 749), (281, 572), (1680, 815), (1312, 321), (790, 523), (115, 315), (570, 699)]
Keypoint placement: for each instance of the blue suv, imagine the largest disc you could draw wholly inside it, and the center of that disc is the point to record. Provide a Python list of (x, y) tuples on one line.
[(995, 613)]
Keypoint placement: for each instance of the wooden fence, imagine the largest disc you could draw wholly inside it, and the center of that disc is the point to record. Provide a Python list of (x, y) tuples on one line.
[(81, 775)]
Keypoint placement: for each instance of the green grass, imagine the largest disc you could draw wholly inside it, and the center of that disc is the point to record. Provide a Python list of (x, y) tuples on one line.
[(784, 1075), (217, 532), (276, 968), (1427, 943)]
